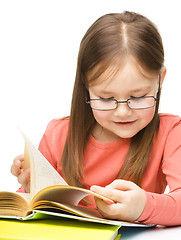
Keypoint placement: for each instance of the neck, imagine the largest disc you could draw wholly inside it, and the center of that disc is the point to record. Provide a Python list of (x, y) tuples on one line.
[(103, 135)]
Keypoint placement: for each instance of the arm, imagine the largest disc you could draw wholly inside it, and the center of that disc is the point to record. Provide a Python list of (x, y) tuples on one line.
[(165, 209), (162, 209), (134, 204)]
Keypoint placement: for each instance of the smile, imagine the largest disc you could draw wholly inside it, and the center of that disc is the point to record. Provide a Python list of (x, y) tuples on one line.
[(125, 124)]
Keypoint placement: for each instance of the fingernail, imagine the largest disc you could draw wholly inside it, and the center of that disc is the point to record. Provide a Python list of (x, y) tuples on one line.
[(17, 163), (92, 188)]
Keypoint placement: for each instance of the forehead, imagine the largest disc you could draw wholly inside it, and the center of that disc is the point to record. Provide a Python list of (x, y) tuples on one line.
[(128, 75)]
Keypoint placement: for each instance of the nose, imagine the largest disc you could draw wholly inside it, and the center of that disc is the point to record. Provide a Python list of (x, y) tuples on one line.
[(122, 109)]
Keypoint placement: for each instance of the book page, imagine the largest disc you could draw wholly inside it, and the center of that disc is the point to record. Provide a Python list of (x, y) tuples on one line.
[(64, 194), (42, 173), (43, 176), (26, 163), (12, 204), (26, 196)]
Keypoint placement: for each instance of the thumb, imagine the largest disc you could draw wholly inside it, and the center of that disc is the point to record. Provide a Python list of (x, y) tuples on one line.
[(122, 185)]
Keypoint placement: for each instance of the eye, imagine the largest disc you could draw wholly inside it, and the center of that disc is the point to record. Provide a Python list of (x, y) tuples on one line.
[(137, 97), (103, 98)]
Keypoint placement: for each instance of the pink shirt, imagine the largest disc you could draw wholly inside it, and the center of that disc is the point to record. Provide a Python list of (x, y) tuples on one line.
[(103, 161)]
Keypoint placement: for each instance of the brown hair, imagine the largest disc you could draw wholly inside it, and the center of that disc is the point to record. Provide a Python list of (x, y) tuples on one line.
[(105, 44)]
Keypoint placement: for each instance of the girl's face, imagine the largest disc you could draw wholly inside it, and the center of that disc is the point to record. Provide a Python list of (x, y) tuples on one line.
[(123, 122)]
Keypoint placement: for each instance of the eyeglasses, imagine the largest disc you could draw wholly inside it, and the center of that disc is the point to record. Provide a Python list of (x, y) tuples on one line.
[(106, 104)]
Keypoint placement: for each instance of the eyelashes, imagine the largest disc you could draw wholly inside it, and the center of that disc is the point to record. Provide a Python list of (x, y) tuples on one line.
[(106, 98)]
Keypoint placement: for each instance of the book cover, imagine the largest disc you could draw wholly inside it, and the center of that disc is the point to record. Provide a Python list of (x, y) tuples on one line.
[(56, 229)]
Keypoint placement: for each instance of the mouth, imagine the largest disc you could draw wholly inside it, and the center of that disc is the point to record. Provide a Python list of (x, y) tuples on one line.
[(125, 124)]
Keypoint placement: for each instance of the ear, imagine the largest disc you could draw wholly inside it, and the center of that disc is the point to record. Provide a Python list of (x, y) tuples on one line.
[(163, 73)]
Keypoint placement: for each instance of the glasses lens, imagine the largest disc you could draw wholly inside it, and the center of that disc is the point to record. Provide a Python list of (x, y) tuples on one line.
[(142, 102), (103, 104)]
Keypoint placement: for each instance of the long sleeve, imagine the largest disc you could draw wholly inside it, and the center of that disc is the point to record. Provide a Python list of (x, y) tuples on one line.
[(165, 209), (162, 209)]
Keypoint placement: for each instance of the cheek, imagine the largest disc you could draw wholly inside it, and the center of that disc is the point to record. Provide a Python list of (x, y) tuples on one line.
[(101, 116), (147, 115)]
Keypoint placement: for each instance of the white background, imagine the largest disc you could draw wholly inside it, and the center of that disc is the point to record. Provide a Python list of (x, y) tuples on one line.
[(39, 43)]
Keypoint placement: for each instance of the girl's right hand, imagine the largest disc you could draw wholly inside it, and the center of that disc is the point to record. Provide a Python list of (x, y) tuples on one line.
[(22, 176)]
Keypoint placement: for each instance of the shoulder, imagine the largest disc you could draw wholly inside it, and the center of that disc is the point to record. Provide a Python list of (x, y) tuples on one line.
[(169, 120), (53, 140), (58, 124), (57, 128), (170, 125), (55, 135)]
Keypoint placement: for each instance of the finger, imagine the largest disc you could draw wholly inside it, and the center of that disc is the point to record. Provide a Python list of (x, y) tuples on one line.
[(113, 194), (20, 157), (114, 211), (16, 167), (110, 211), (24, 178), (122, 185)]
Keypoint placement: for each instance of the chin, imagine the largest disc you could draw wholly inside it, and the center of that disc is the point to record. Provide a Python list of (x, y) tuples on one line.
[(127, 134)]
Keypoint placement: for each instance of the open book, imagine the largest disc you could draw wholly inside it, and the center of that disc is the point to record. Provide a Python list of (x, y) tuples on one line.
[(49, 194)]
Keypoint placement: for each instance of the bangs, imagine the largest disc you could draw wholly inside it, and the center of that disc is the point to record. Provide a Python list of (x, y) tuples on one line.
[(108, 68)]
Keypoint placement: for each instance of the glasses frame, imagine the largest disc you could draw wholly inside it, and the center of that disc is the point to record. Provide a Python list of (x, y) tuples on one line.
[(126, 101)]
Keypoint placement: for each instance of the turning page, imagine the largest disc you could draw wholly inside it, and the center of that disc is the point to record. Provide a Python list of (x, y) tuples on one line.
[(42, 172)]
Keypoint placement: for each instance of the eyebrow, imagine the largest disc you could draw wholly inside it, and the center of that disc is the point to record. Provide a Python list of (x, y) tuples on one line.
[(105, 92), (146, 88)]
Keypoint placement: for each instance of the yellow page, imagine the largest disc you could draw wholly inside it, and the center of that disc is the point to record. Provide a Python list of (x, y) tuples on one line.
[(26, 163), (26, 196)]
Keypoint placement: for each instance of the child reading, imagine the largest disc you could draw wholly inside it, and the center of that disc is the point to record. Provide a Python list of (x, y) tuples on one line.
[(115, 141)]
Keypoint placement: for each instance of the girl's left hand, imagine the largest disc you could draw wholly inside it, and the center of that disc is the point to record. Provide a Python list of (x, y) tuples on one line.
[(129, 200)]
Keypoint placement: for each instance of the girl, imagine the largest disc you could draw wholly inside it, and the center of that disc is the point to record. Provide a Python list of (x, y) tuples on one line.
[(114, 141)]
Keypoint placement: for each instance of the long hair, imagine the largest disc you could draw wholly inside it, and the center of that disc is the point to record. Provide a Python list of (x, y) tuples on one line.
[(105, 44)]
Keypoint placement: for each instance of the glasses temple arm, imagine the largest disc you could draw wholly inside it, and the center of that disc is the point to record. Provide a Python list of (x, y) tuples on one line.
[(159, 88)]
